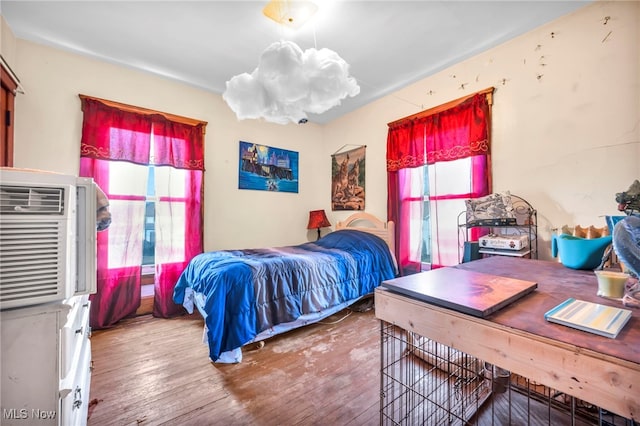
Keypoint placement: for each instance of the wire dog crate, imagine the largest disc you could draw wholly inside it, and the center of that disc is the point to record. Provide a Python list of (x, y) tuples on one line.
[(423, 382)]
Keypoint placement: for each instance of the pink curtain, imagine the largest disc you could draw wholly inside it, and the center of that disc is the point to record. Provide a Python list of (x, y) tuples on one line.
[(460, 131), (178, 146), (405, 149), (109, 134)]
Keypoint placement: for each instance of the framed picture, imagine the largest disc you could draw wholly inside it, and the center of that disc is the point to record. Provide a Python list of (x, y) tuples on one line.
[(265, 168), (347, 179)]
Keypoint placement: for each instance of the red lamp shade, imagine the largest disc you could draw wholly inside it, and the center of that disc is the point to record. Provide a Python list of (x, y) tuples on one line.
[(318, 219)]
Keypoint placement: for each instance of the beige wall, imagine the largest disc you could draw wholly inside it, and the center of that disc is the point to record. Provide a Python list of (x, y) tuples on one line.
[(48, 127), (566, 141), (7, 42)]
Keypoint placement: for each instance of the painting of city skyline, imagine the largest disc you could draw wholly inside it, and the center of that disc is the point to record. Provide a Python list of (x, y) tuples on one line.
[(266, 168)]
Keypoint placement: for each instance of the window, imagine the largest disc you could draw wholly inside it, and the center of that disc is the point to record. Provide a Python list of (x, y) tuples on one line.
[(440, 188), (436, 160), (152, 198), (150, 165), (149, 242), (127, 199), (449, 185), (416, 201)]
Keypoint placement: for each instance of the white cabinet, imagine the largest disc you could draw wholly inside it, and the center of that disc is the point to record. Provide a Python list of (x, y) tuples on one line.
[(46, 363)]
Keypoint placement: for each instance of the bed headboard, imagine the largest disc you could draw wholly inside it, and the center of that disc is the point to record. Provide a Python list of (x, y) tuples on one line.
[(367, 222)]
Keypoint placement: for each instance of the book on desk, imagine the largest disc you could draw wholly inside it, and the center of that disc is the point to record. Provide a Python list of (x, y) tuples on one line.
[(588, 316)]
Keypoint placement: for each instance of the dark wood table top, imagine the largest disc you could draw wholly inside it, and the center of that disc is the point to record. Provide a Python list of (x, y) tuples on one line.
[(557, 283)]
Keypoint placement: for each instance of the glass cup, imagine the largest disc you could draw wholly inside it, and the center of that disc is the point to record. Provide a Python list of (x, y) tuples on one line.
[(611, 283)]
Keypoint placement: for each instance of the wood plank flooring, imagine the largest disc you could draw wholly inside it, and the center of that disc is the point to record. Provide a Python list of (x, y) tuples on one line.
[(150, 371)]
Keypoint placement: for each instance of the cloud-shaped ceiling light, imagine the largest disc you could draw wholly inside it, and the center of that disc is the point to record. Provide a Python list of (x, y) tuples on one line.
[(289, 83)]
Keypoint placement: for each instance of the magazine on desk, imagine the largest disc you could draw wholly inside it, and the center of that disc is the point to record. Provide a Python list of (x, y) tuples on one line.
[(588, 316)]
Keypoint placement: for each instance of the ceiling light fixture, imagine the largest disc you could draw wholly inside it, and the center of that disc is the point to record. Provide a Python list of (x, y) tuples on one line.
[(288, 83), (292, 13)]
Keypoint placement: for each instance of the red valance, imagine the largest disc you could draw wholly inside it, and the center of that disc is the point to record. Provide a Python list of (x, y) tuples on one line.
[(112, 133), (177, 144), (457, 132)]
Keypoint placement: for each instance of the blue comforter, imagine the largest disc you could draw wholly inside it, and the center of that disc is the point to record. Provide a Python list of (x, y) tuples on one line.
[(248, 291)]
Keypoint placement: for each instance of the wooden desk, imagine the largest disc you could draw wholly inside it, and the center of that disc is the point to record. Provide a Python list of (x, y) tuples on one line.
[(602, 371)]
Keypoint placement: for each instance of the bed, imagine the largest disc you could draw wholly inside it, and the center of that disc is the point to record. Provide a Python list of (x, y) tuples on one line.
[(247, 296)]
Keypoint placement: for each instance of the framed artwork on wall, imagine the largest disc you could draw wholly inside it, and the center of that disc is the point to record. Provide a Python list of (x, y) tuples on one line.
[(347, 179), (265, 168)]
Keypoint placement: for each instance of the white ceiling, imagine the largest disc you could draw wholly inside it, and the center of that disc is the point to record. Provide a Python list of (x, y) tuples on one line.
[(388, 44)]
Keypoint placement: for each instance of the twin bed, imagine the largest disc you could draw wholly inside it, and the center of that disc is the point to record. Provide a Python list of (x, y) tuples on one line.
[(247, 296)]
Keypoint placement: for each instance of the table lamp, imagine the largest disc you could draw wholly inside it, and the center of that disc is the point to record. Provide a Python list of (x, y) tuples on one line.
[(318, 219)]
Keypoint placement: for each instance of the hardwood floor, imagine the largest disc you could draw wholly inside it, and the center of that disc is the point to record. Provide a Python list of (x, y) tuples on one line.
[(150, 371)]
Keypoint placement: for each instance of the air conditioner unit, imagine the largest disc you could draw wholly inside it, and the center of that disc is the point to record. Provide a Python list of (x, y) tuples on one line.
[(47, 237)]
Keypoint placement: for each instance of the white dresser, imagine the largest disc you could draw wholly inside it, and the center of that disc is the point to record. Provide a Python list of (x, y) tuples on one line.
[(46, 363)]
